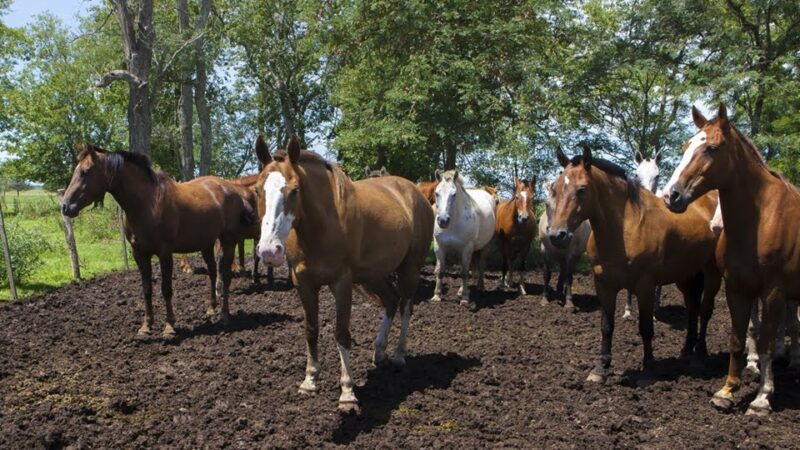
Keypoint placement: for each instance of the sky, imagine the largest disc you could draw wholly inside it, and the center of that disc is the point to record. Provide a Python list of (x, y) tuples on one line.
[(22, 12)]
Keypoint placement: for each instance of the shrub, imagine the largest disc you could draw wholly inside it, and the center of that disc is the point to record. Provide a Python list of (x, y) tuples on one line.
[(26, 247)]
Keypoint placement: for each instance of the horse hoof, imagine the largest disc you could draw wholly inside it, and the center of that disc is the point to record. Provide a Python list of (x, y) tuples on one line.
[(596, 377), (169, 332), (144, 330), (308, 388), (752, 366), (544, 301), (380, 361), (224, 319), (399, 362), (436, 298), (569, 307), (722, 403), (349, 407), (627, 315), (760, 411), (211, 312)]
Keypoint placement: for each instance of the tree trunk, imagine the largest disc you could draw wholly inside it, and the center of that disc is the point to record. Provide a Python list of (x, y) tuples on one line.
[(200, 83), (185, 110), (450, 156)]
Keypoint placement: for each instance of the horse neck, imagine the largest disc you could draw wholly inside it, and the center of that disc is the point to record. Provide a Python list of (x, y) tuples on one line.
[(609, 213), (464, 203), (742, 201), (324, 210), (135, 192)]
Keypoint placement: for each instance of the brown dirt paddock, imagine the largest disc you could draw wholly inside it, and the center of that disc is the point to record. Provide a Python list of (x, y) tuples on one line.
[(511, 374)]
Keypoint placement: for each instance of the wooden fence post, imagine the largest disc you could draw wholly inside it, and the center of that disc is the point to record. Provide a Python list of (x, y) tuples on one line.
[(70, 237), (7, 255), (122, 237)]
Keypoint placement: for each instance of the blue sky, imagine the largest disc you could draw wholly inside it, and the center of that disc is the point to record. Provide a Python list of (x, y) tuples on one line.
[(22, 11)]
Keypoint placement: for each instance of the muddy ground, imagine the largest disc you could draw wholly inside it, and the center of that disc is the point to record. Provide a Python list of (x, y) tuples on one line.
[(511, 374)]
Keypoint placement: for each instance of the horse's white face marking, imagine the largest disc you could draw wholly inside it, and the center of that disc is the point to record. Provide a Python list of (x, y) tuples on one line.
[(566, 180), (276, 223), (648, 174), (697, 141), (524, 197), (446, 193)]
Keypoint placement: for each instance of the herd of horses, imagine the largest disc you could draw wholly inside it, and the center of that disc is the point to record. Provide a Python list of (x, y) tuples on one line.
[(722, 214)]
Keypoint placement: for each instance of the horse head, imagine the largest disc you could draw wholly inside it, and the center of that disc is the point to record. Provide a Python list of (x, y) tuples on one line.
[(450, 184)]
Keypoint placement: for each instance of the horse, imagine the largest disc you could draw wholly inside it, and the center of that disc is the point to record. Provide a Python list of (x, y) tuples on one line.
[(637, 244), (374, 233), (758, 250), (428, 189), (163, 217), (465, 223), (369, 173), (648, 172), (515, 229), (567, 258)]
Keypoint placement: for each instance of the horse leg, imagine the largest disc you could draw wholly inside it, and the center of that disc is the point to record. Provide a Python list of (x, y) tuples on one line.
[(608, 299), (185, 266), (568, 274), (343, 293), (522, 256), (752, 336), (504, 246), (793, 328), (628, 306), (438, 271), (645, 290), (740, 307), (389, 299), (774, 311), (211, 264), (146, 272), (255, 262), (241, 270), (482, 267), (712, 280), (546, 275), (466, 258), (228, 249), (691, 298), (165, 261), (657, 300), (309, 297)]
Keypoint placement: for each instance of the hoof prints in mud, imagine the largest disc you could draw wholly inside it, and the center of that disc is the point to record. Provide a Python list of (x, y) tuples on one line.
[(73, 373)]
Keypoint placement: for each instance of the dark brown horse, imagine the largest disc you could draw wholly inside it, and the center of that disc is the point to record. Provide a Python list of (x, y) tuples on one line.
[(759, 250), (336, 232), (163, 217), (637, 244), (515, 229)]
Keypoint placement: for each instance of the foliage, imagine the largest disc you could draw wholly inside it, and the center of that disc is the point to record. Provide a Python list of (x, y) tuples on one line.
[(26, 247)]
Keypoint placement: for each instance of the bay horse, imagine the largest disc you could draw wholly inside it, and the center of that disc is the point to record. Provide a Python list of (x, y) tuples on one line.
[(758, 250), (567, 257), (648, 172), (336, 232), (428, 189), (637, 244), (465, 224), (163, 217), (515, 230)]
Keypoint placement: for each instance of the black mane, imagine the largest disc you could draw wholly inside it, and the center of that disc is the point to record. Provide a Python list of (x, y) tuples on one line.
[(632, 182), (116, 160)]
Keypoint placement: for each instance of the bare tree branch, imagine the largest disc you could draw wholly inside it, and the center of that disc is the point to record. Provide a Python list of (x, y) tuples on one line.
[(120, 75)]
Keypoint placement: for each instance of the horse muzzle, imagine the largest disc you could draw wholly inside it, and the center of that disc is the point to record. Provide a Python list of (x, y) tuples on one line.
[(271, 253), (676, 200), (522, 218), (560, 238), (70, 210), (443, 222)]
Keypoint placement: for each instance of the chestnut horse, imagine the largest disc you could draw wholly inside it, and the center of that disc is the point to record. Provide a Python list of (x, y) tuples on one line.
[(758, 250), (428, 189), (163, 217), (515, 229), (636, 244), (336, 232)]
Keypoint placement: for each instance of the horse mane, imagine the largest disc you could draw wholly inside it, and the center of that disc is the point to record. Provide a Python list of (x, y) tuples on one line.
[(632, 182), (116, 160)]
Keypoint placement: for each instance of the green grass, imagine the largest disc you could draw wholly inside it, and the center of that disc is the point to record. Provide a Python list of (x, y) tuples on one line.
[(96, 235)]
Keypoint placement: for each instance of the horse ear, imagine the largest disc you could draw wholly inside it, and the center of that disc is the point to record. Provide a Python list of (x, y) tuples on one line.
[(366, 171), (657, 157), (384, 172), (722, 115), (293, 149), (638, 157), (698, 118), (586, 158), (532, 184), (438, 175), (262, 151), (562, 158), (456, 175)]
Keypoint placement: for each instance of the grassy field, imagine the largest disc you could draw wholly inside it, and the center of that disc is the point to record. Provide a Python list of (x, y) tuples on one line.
[(96, 234)]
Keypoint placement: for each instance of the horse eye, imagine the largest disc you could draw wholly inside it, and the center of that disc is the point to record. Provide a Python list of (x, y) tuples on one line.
[(581, 190), (711, 148)]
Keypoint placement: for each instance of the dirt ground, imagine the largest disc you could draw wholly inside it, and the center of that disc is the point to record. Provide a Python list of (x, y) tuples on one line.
[(511, 374)]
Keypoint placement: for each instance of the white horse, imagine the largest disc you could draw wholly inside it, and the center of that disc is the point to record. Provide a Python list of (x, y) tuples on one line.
[(465, 222), (567, 257), (648, 172), (790, 326)]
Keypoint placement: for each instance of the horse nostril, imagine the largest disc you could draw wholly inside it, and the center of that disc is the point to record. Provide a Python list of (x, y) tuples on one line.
[(278, 248), (674, 195), (561, 235)]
